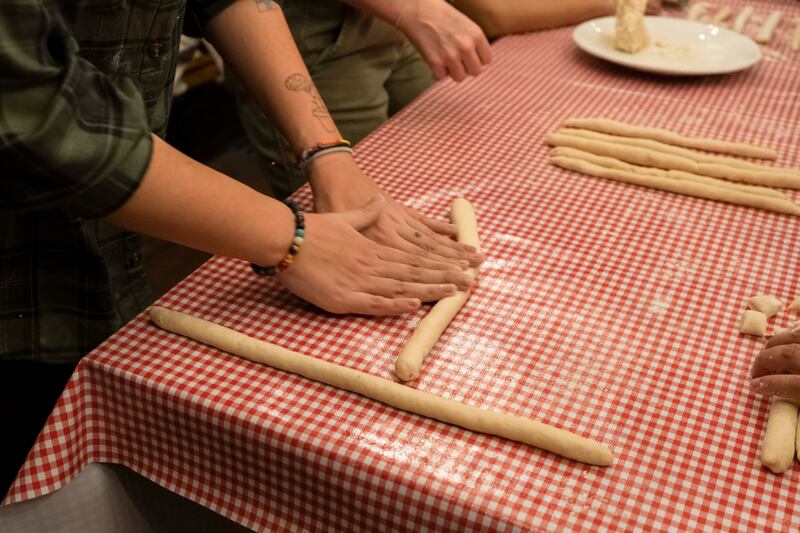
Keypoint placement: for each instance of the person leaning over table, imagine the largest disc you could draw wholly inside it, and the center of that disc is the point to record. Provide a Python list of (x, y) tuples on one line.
[(363, 58), (504, 17), (84, 97)]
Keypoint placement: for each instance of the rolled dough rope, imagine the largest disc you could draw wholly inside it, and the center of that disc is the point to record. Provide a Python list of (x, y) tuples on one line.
[(615, 127), (688, 188), (394, 394), (764, 35), (651, 158), (742, 18), (427, 333), (777, 448), (696, 10), (722, 15), (682, 152), (609, 162), (796, 37)]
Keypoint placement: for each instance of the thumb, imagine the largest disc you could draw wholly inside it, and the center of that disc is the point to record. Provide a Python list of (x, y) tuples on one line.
[(364, 216)]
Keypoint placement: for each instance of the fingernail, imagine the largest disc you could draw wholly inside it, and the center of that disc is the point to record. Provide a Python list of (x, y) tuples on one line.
[(467, 279), (451, 289), (414, 304)]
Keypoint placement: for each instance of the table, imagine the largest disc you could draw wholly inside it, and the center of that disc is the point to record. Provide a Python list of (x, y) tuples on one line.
[(604, 308)]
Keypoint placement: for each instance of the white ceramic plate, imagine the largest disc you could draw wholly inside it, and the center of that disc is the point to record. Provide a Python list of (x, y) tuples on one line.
[(678, 47)]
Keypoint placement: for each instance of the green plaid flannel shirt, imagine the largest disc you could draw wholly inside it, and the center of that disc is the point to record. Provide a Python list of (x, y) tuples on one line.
[(83, 83)]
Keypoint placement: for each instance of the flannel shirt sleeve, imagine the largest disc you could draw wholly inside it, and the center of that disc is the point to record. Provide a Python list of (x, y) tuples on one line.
[(71, 137)]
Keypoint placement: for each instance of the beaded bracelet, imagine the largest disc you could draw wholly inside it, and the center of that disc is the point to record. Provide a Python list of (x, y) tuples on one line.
[(307, 156), (299, 234)]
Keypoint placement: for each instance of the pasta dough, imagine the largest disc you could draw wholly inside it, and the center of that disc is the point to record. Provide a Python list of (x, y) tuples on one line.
[(766, 303), (764, 35), (742, 18), (688, 188), (696, 10), (796, 37), (409, 360), (754, 323), (777, 448), (394, 394), (722, 15), (652, 158), (609, 162), (615, 127), (682, 152), (795, 305), (631, 34)]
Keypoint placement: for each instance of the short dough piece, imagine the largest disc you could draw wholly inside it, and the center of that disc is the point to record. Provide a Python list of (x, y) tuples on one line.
[(631, 34), (615, 127), (409, 360), (722, 15), (652, 158), (795, 305), (778, 446), (764, 35), (766, 303), (754, 323), (697, 10), (742, 18), (685, 187), (394, 394), (796, 37)]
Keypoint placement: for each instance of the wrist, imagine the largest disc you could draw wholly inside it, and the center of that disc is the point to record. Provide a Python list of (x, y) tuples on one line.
[(278, 236), (339, 184)]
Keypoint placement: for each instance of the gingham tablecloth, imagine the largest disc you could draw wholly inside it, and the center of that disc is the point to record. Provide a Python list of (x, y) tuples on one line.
[(604, 308)]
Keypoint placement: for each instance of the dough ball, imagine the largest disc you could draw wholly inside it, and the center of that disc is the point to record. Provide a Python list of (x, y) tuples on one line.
[(754, 323), (766, 303)]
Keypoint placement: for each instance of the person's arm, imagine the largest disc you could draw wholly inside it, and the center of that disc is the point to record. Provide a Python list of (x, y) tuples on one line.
[(504, 17), (449, 42), (76, 140), (254, 39)]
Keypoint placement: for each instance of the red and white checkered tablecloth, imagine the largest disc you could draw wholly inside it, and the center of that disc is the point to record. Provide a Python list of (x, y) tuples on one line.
[(607, 309)]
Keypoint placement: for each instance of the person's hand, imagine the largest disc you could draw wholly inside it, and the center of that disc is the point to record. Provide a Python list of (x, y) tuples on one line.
[(339, 185), (449, 42), (341, 271), (776, 370), (653, 7)]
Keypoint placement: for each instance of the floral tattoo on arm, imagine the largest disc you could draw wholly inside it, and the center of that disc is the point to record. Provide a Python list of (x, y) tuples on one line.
[(299, 83)]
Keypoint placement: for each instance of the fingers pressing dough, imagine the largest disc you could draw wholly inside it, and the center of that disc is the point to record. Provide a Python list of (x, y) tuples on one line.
[(409, 360)]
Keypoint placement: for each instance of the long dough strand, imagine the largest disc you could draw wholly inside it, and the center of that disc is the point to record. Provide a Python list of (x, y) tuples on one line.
[(409, 361), (764, 35), (778, 446), (742, 18), (688, 188), (700, 157), (652, 158), (609, 162), (512, 427), (615, 127)]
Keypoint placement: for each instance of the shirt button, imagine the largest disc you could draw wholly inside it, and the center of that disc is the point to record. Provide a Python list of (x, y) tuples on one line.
[(134, 259), (155, 49)]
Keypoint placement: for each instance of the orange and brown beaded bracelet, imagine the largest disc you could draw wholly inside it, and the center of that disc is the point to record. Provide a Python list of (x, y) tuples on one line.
[(297, 241)]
